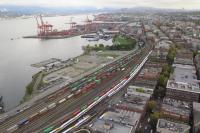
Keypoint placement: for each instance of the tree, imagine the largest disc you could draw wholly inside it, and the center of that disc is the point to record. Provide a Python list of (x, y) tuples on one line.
[(195, 52), (171, 55), (152, 105), (159, 92), (154, 119), (139, 130), (101, 46), (162, 81)]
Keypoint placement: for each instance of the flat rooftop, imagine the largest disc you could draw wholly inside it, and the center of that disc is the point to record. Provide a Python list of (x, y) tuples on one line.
[(110, 127), (150, 72), (196, 112), (46, 62), (177, 103), (165, 126), (118, 121), (122, 117), (184, 61), (184, 78), (139, 89), (146, 83), (136, 101), (176, 106)]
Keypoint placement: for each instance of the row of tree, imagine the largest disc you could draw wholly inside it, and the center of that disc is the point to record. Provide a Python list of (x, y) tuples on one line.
[(165, 74)]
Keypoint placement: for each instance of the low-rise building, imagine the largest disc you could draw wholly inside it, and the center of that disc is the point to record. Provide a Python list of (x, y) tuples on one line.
[(183, 84), (165, 126), (176, 109), (197, 63), (160, 53), (118, 121), (163, 44), (196, 117), (136, 102), (149, 73), (131, 90)]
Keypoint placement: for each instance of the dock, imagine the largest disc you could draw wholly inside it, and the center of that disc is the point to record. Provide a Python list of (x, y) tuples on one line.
[(1, 104), (46, 62)]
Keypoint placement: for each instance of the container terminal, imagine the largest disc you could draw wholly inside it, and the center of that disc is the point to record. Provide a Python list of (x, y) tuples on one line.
[(46, 30)]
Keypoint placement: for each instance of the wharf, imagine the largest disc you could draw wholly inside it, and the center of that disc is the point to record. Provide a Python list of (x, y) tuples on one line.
[(1, 104), (51, 37), (46, 62)]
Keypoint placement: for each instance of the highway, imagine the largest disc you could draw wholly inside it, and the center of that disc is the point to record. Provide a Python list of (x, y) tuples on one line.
[(66, 107)]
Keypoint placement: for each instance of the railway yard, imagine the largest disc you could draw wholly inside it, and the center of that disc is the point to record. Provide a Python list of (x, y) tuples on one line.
[(71, 99)]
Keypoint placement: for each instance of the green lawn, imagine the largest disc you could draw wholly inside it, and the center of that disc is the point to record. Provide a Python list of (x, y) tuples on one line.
[(121, 40)]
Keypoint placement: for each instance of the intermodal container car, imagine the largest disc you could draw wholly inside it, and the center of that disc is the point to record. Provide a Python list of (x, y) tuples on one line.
[(51, 106), (62, 100), (12, 129), (43, 110), (76, 112), (33, 116)]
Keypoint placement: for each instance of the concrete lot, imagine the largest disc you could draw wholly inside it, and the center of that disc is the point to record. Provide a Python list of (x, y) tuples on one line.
[(84, 63)]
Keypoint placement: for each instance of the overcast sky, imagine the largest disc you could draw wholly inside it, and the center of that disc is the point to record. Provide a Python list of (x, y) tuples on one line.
[(187, 4)]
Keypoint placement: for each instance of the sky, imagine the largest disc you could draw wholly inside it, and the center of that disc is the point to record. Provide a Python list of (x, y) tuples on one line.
[(177, 4)]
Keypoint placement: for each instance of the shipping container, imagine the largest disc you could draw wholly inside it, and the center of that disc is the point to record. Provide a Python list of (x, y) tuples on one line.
[(62, 100), (51, 106), (51, 97), (49, 129), (71, 95), (12, 129), (75, 89), (84, 107), (32, 117), (98, 81), (43, 110), (66, 90), (58, 129), (76, 112)]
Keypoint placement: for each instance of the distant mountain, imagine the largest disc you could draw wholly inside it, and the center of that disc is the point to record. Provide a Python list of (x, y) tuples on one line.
[(152, 10), (28, 10), (16, 11)]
